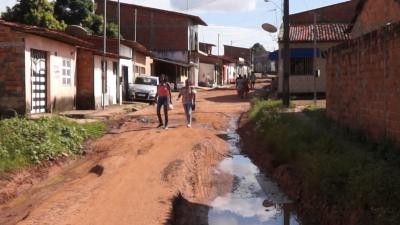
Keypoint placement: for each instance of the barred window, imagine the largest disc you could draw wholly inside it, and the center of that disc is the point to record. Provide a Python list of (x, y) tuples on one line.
[(301, 66)]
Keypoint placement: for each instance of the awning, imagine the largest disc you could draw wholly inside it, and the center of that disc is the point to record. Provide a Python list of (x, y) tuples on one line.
[(296, 53), (173, 62), (274, 56)]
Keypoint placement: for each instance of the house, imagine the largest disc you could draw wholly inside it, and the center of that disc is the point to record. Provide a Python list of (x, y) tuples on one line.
[(371, 15), (206, 47), (135, 60), (214, 70), (37, 69), (172, 37), (331, 25), (262, 63), (243, 58), (363, 79)]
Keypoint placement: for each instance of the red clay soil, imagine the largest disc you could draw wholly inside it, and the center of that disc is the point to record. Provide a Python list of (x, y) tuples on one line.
[(311, 208), (139, 170)]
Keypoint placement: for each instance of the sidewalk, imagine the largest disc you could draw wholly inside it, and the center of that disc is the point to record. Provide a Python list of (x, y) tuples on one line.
[(106, 114)]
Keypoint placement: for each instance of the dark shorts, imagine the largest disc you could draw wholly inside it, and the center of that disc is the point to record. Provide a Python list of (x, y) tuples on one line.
[(162, 101)]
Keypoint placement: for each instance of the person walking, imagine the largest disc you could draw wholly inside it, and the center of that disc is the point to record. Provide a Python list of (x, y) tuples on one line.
[(188, 94), (239, 86), (246, 84), (253, 79), (164, 99)]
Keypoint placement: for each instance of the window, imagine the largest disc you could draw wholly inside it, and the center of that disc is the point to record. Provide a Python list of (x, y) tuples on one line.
[(66, 72), (115, 68), (142, 70), (137, 70), (301, 66), (146, 81)]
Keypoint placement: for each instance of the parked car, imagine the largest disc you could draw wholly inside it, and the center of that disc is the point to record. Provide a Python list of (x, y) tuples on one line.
[(144, 88)]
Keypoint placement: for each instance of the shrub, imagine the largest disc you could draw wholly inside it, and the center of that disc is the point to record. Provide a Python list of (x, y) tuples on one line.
[(24, 141), (337, 164)]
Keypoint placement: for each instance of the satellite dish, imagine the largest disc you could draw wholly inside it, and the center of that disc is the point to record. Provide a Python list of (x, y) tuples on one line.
[(77, 31), (269, 28)]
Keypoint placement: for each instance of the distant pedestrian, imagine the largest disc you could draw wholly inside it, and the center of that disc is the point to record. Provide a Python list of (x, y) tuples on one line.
[(253, 79), (164, 99), (188, 94), (246, 84), (239, 86)]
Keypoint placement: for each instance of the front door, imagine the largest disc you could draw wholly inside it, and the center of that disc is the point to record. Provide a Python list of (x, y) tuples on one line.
[(125, 90), (38, 81)]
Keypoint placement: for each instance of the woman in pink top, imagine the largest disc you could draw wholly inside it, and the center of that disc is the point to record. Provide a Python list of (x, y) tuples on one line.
[(188, 95), (164, 98)]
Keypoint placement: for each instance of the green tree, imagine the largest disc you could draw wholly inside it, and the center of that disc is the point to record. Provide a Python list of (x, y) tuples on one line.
[(258, 49), (81, 12), (33, 12)]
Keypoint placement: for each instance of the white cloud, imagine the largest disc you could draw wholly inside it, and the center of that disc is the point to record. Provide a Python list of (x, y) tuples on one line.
[(214, 5), (240, 37), (160, 4), (5, 3)]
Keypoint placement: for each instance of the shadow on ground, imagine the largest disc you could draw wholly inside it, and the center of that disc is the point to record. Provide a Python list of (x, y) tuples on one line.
[(184, 212)]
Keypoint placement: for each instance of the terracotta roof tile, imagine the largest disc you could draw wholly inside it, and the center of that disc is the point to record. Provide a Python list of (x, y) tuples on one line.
[(333, 32)]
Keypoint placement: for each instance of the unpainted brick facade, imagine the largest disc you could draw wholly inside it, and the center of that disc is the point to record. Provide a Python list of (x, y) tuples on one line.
[(12, 73), (85, 80), (363, 83), (373, 14), (157, 30)]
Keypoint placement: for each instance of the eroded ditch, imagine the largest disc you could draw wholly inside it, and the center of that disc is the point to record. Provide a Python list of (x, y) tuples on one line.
[(252, 197)]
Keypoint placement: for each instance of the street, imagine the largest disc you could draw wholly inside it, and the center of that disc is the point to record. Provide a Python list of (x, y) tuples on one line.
[(144, 168)]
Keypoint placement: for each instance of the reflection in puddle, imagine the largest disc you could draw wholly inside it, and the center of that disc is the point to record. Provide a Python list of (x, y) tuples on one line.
[(254, 199)]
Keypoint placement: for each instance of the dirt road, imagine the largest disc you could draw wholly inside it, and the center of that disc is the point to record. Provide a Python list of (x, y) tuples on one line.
[(144, 168)]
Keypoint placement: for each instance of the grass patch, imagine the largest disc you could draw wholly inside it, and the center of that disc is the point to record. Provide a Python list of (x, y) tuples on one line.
[(24, 142), (339, 165)]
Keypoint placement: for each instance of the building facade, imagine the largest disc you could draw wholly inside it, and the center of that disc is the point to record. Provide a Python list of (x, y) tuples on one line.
[(172, 37), (332, 23), (38, 69), (363, 79)]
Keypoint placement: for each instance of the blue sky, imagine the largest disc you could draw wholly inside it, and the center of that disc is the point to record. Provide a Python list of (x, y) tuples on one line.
[(237, 21)]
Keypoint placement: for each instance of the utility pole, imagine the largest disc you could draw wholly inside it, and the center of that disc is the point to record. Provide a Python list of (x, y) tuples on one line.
[(315, 58), (218, 43), (104, 62), (119, 94), (135, 24), (286, 58)]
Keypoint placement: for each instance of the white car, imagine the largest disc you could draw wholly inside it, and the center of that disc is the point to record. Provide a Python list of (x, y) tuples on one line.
[(144, 88)]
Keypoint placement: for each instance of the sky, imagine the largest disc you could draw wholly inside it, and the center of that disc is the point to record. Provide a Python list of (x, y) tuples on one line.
[(238, 22)]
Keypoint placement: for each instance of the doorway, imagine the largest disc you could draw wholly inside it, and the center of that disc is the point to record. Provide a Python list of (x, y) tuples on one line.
[(38, 81)]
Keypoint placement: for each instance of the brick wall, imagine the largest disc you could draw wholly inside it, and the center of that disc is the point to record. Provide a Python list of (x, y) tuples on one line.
[(363, 83), (85, 83), (237, 52), (157, 30), (374, 14), (12, 71)]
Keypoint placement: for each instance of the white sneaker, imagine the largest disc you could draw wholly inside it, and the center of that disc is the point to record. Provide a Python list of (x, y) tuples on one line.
[(189, 125), (166, 128)]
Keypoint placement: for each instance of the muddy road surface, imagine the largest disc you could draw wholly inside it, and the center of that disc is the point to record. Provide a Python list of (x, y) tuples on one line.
[(137, 170)]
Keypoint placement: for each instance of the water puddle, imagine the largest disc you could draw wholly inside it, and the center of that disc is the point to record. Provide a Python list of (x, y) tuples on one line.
[(254, 198)]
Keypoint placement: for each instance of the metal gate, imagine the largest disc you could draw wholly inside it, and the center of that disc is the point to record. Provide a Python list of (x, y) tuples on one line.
[(39, 81)]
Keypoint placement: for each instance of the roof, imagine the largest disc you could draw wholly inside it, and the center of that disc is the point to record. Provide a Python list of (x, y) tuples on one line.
[(332, 32), (101, 53), (44, 32), (237, 52), (206, 44), (337, 13), (112, 44), (195, 19)]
